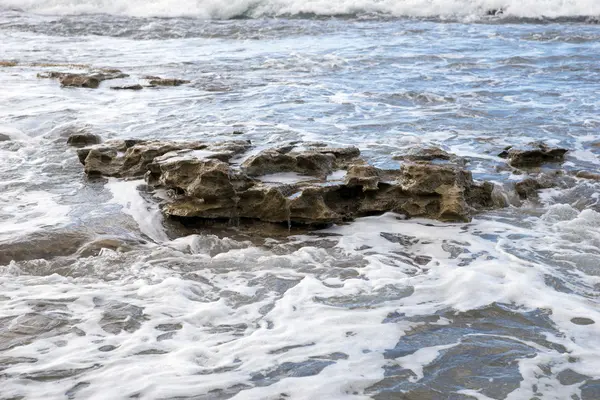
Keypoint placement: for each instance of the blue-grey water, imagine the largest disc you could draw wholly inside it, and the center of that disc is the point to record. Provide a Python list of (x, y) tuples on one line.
[(504, 307)]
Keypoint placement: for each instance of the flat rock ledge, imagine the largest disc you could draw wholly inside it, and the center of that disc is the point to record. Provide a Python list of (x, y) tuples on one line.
[(314, 186)]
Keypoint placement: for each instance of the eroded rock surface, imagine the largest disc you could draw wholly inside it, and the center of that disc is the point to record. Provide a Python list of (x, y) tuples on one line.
[(421, 154), (533, 155), (89, 80), (306, 186), (131, 158)]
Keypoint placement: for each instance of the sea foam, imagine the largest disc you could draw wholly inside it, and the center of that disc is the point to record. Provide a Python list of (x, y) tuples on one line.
[(226, 9)]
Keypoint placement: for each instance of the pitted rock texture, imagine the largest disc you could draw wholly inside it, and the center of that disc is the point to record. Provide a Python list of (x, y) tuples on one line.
[(305, 186), (131, 158)]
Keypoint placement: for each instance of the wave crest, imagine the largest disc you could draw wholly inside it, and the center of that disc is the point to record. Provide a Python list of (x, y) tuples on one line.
[(228, 9)]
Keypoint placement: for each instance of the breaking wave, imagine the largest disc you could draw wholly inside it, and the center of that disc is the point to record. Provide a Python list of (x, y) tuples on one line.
[(228, 9)]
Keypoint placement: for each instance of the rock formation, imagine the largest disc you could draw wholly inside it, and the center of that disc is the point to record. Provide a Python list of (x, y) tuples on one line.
[(156, 81), (532, 155), (306, 186), (89, 80), (128, 87), (83, 139)]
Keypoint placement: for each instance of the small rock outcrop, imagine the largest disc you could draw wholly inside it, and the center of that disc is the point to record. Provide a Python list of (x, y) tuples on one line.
[(127, 87), (581, 174), (84, 80), (532, 155), (292, 185), (422, 154), (83, 139), (167, 82)]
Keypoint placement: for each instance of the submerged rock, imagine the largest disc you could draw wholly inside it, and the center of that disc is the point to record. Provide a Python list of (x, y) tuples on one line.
[(127, 87), (83, 80), (76, 80), (533, 155), (314, 186), (41, 245), (167, 82), (580, 174), (528, 188)]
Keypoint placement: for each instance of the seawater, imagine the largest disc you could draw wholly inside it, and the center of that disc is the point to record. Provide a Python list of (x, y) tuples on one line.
[(504, 307)]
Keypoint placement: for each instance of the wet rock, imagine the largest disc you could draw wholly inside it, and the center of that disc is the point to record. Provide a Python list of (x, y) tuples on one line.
[(95, 247), (204, 184), (582, 321), (45, 245), (4, 137), (419, 154), (272, 161), (581, 174), (569, 377), (340, 153), (8, 64), (529, 187), (533, 155), (83, 139), (127, 87), (130, 158), (82, 81), (364, 176), (167, 82)]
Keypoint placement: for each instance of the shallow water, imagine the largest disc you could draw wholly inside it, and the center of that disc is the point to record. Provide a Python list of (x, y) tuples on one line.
[(100, 300)]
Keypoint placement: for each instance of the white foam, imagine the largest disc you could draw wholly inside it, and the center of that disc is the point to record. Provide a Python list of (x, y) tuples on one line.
[(31, 211), (147, 215), (223, 9), (285, 177), (337, 175), (232, 319)]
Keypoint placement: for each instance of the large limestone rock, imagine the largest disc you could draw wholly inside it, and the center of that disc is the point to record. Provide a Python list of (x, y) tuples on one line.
[(291, 185)]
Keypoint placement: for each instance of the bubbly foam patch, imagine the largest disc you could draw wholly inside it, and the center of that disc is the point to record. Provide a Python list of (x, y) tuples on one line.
[(313, 317), (225, 9)]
